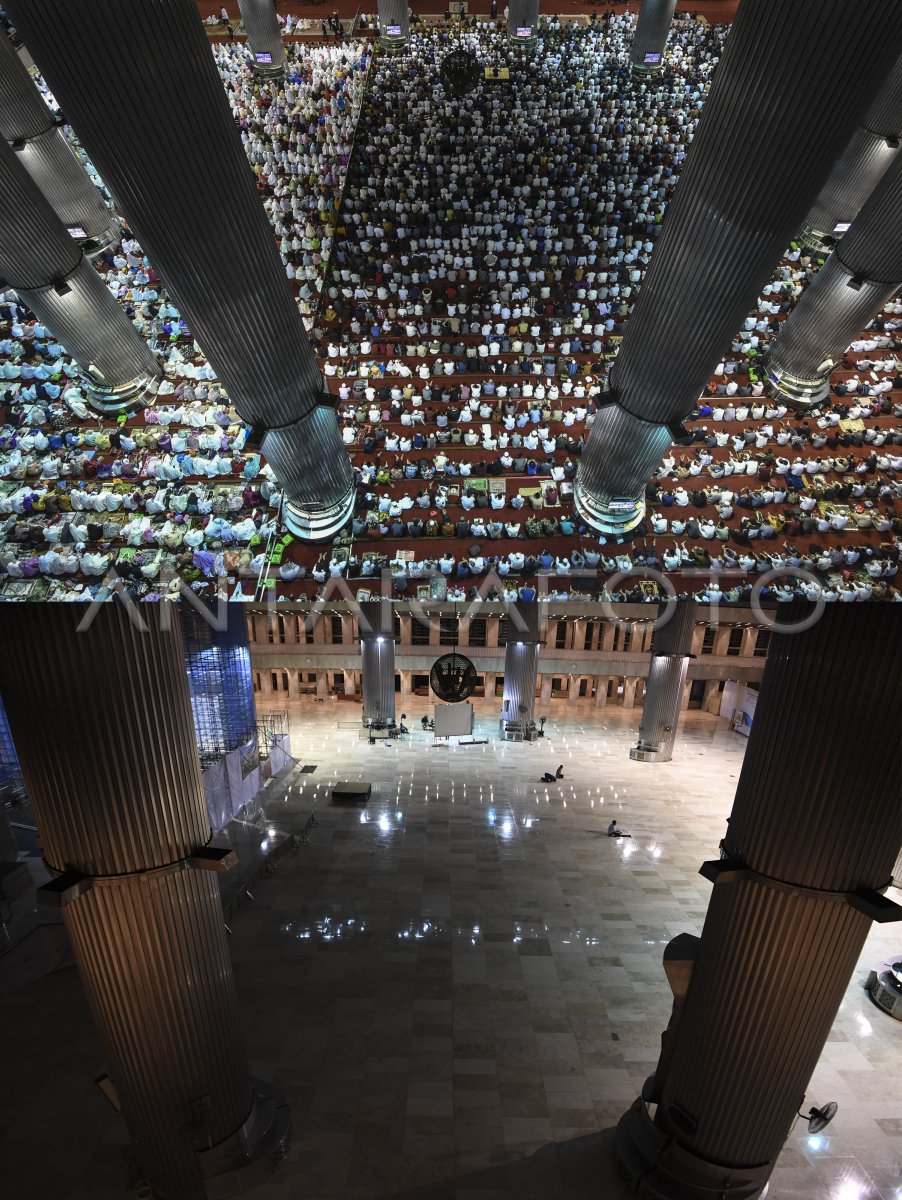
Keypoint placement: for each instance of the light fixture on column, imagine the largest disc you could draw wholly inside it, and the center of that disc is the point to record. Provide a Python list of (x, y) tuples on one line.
[(61, 287), (18, 145)]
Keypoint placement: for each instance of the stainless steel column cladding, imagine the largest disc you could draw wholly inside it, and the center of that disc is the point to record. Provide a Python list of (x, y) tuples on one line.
[(809, 847), (189, 195), (120, 810), (786, 96), (394, 15), (377, 655), (264, 36), (670, 653), (860, 167), (650, 37), (850, 289), (522, 14), (521, 665), (49, 271), (29, 126)]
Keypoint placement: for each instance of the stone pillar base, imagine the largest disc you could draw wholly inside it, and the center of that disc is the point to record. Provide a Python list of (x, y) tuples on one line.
[(92, 247), (646, 70), (801, 393), (655, 1167), (249, 1156), (816, 239), (116, 400), (615, 517), (319, 525), (651, 754), (261, 71)]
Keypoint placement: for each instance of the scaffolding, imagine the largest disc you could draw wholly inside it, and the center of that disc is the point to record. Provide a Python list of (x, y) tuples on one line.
[(268, 726), (9, 760), (12, 789), (218, 664)]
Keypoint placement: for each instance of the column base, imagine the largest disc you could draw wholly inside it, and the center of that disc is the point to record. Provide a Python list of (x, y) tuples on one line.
[(883, 988), (516, 731), (651, 754), (268, 73), (815, 239), (802, 393), (645, 71), (92, 247), (253, 1152), (615, 517), (655, 1167), (320, 524), (116, 400)]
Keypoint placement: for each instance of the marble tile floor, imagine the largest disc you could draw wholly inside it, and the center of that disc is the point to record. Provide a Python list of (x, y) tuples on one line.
[(459, 985)]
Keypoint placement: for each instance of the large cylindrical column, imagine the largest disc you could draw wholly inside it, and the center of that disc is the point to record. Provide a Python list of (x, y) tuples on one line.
[(28, 125), (810, 845), (522, 21), (860, 167), (521, 666), (650, 38), (120, 810), (743, 194), (377, 662), (50, 273), (849, 290), (670, 653), (264, 36), (394, 21), (210, 240), (218, 660)]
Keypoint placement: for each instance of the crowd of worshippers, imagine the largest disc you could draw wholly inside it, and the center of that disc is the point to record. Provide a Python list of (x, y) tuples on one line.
[(495, 459), (563, 176), (298, 139), (290, 23), (475, 303), (466, 377), (170, 492)]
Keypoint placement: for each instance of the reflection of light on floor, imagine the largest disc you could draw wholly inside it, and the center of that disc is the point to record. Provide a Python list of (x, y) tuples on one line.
[(865, 1028), (850, 1189)]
